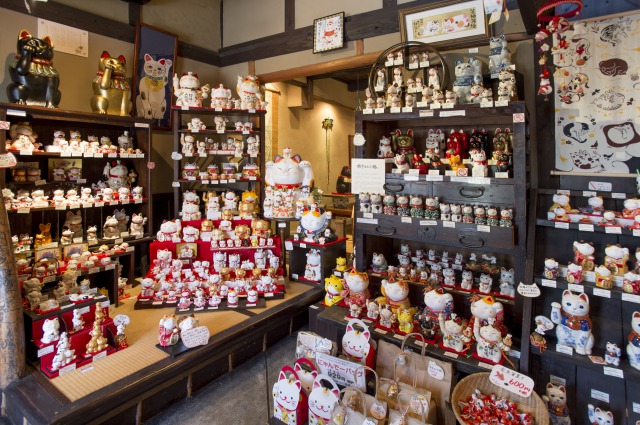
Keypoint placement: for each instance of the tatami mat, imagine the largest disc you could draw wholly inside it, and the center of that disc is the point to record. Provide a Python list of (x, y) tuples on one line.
[(142, 337)]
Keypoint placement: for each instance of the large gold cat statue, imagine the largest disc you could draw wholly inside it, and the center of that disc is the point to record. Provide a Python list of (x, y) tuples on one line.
[(112, 93)]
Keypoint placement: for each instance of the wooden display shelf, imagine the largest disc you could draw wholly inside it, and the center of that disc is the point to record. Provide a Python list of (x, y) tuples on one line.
[(596, 229), (208, 131), (148, 390), (213, 111), (80, 207), (589, 288), (78, 155), (336, 317), (585, 193), (628, 371), (217, 182)]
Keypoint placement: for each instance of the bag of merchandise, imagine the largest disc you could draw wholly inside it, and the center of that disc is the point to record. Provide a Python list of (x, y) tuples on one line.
[(401, 414), (307, 373), (374, 409), (289, 399), (309, 343), (350, 409), (356, 345), (322, 399)]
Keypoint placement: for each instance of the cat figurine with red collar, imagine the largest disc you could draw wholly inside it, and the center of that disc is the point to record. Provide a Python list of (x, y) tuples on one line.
[(574, 325), (289, 399), (322, 400), (355, 343)]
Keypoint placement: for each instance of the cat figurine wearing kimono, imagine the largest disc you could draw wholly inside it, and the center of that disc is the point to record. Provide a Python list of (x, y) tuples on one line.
[(574, 325), (151, 102), (34, 80), (111, 92)]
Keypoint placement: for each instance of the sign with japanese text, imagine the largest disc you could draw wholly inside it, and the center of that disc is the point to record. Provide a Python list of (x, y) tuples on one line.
[(367, 175), (340, 370)]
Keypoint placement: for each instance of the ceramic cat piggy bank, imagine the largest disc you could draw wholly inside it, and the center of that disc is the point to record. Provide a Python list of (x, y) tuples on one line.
[(111, 92), (574, 273), (248, 88), (550, 268), (357, 287), (187, 90), (312, 223), (603, 277), (396, 293), (574, 325), (616, 259), (34, 79), (334, 286), (583, 255)]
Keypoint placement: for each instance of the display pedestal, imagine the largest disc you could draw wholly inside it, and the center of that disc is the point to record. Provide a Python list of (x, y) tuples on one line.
[(328, 253)]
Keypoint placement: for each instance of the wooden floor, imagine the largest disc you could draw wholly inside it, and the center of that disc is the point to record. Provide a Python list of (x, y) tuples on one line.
[(141, 394)]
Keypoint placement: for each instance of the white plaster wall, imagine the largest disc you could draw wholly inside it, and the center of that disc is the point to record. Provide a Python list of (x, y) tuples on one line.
[(308, 10), (246, 20)]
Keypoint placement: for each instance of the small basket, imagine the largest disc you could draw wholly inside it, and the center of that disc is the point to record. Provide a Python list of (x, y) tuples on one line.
[(341, 202), (532, 404)]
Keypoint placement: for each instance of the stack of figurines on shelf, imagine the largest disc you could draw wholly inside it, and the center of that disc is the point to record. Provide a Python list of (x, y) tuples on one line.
[(458, 153), (436, 321), (423, 88), (190, 93), (595, 213), (430, 267), (289, 181), (245, 265)]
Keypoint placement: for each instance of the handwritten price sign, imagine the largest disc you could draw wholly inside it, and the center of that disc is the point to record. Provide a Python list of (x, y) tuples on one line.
[(340, 370), (511, 380)]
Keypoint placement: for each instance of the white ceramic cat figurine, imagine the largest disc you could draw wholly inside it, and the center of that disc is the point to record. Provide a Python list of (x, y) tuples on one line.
[(322, 400), (600, 417), (574, 325), (556, 400), (489, 341), (633, 348), (286, 396), (151, 101), (355, 343), (453, 332)]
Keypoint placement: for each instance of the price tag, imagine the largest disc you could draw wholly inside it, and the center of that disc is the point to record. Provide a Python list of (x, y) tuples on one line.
[(511, 380), (435, 106), (411, 178), (99, 356), (604, 293), (565, 349), (636, 407), (380, 331), (457, 113), (141, 125), (631, 298), (576, 288), (26, 152), (174, 184), (585, 227), (223, 181), (561, 225), (288, 245), (69, 368), (612, 371), (600, 395), (449, 224), (484, 228), (176, 156), (450, 354), (40, 182), (396, 336), (425, 113), (447, 105), (618, 195), (395, 110), (195, 337), (485, 365), (613, 230), (61, 207), (435, 370), (486, 104), (46, 350), (428, 223), (434, 172), (588, 193), (407, 109), (98, 204), (81, 181), (590, 276), (601, 186), (502, 175), (434, 178), (282, 225), (367, 220), (24, 210), (367, 215), (379, 110), (636, 232), (16, 113), (514, 353), (367, 111), (498, 103), (303, 245), (112, 266), (406, 220), (530, 291), (473, 50), (112, 155), (94, 270), (205, 182)]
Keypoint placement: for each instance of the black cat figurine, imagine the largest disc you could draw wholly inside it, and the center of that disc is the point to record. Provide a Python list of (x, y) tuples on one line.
[(35, 80), (343, 185)]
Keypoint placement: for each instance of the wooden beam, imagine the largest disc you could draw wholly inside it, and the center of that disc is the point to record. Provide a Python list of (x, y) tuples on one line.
[(296, 83), (197, 53), (252, 67), (307, 95), (289, 15), (319, 68), (359, 47), (386, 4), (134, 13), (528, 10)]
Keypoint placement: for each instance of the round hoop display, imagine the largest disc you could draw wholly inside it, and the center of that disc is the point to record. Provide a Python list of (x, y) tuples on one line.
[(555, 3)]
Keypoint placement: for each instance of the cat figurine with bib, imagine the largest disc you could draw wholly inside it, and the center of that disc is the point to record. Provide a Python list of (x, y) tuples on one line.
[(467, 74), (34, 79), (556, 400), (111, 92), (151, 102), (574, 325)]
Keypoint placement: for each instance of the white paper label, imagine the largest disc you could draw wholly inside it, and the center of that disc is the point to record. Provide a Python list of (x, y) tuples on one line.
[(195, 337), (511, 380), (406, 220), (379, 110), (486, 104), (294, 275), (612, 371), (604, 293), (502, 175), (435, 106), (99, 356), (576, 288), (636, 232), (485, 365), (435, 371), (631, 298), (368, 175), (613, 230), (303, 245), (425, 113), (407, 109), (565, 349), (450, 354), (600, 186), (69, 368), (636, 407), (87, 369), (343, 372), (367, 111), (618, 195), (288, 245), (501, 103), (585, 227), (484, 228), (556, 380), (428, 223), (473, 50), (447, 105), (457, 113), (367, 215), (24, 210), (529, 291), (435, 178), (449, 224), (367, 220), (561, 225), (380, 331), (46, 350), (16, 113), (411, 178), (599, 395)]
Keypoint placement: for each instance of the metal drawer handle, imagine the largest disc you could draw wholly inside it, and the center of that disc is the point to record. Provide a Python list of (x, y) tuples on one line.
[(388, 187), (480, 243), (472, 192), (390, 233)]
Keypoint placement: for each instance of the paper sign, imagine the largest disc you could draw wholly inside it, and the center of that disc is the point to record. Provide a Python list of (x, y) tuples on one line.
[(342, 371), (511, 380), (631, 298), (585, 227), (69, 40), (576, 288), (601, 186), (458, 113), (99, 356), (599, 395), (435, 371), (565, 349), (613, 230), (367, 175), (195, 337), (605, 293), (46, 350), (529, 291), (612, 371), (69, 368)]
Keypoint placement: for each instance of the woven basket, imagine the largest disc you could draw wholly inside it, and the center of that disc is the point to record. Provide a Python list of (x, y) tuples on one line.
[(533, 404)]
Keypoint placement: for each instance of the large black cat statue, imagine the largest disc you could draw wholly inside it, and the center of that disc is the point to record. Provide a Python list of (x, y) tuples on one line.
[(34, 79), (343, 185)]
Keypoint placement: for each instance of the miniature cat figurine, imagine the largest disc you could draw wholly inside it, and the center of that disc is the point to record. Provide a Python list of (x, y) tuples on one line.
[(151, 101), (600, 417), (574, 325), (633, 348), (111, 92), (34, 79), (556, 400)]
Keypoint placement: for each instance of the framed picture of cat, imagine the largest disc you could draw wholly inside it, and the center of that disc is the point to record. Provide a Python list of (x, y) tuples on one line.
[(154, 64)]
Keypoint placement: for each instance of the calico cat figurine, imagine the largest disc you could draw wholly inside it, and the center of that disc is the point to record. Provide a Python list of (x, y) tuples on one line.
[(34, 79), (111, 92)]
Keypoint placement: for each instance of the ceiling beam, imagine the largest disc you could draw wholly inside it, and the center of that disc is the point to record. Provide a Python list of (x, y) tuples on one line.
[(528, 11)]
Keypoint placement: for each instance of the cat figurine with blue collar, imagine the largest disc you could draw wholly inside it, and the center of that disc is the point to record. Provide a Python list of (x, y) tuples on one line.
[(34, 79), (467, 74), (499, 56)]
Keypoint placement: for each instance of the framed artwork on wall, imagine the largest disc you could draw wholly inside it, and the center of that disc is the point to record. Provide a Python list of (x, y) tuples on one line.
[(153, 68), (328, 33), (437, 23)]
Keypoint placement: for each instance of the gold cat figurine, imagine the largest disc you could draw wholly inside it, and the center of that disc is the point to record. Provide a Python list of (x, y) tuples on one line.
[(112, 93)]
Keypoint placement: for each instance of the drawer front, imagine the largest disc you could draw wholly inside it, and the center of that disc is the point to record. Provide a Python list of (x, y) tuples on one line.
[(455, 192), (397, 186)]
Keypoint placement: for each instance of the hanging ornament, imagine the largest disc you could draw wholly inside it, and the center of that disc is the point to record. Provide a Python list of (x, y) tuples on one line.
[(556, 26)]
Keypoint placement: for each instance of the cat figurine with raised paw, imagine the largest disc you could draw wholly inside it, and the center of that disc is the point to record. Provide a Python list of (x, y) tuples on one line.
[(111, 92), (34, 79), (151, 102)]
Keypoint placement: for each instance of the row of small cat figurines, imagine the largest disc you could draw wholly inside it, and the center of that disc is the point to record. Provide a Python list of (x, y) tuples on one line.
[(232, 146), (87, 197), (467, 88), (595, 212)]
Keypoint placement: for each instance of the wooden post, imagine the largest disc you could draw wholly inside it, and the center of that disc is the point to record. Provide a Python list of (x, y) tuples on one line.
[(12, 348)]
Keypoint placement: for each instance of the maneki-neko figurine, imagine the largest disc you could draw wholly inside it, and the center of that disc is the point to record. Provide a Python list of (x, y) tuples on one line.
[(437, 303), (609, 220), (168, 331), (583, 255), (395, 293), (616, 258), (490, 344), (289, 178), (356, 288)]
